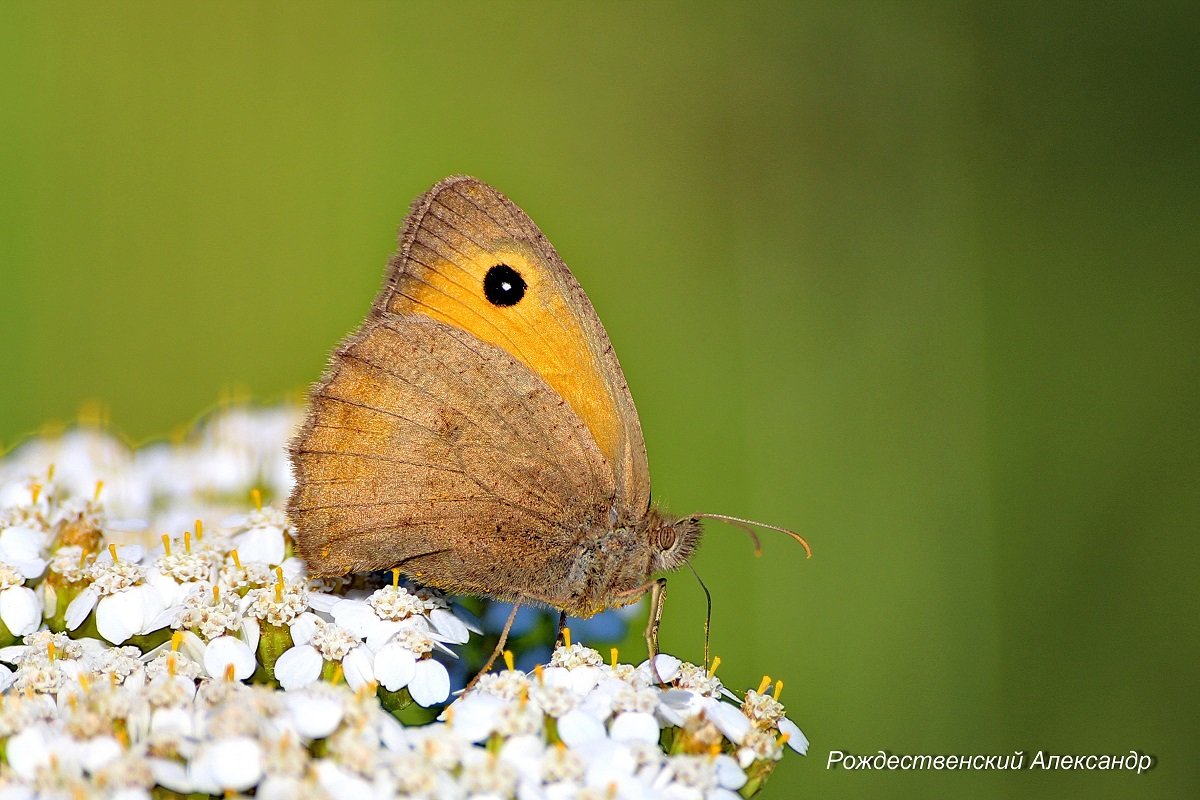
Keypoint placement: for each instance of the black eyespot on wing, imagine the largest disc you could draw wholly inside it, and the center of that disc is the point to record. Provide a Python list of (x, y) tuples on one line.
[(503, 285)]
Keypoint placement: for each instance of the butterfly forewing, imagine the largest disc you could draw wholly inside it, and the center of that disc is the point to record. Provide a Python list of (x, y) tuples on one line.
[(456, 234)]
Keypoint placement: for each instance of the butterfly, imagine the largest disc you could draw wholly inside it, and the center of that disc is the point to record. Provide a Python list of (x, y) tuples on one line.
[(476, 432)]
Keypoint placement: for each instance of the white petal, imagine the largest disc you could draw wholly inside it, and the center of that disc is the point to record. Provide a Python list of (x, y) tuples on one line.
[(475, 716), (251, 632), (226, 650), (796, 738), (29, 567), (7, 676), (95, 753), (356, 666), (340, 784), (162, 619), (577, 728), (21, 610), (171, 774), (316, 714), (171, 590), (430, 683), (13, 653), (125, 552), (21, 544), (179, 720), (120, 615), (394, 666), (303, 627), (583, 679), (27, 751), (293, 568), (729, 720), (79, 608), (667, 666), (320, 601), (634, 726), (261, 544), (729, 774), (355, 616), (152, 604), (236, 762), (450, 626), (298, 666), (382, 630)]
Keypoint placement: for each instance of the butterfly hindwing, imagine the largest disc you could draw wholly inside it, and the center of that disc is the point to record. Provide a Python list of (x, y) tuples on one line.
[(446, 448)]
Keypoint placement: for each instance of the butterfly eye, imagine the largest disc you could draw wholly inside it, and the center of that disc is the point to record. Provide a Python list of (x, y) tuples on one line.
[(503, 285), (666, 538)]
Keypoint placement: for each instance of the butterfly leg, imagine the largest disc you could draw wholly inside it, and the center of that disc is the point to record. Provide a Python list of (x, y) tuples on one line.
[(512, 615), (562, 623), (658, 594)]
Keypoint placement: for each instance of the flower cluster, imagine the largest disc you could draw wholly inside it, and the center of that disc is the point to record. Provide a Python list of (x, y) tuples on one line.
[(208, 663)]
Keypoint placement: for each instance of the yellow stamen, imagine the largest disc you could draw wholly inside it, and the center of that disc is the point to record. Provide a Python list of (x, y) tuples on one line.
[(85, 682), (35, 491), (112, 680), (279, 593), (523, 695), (49, 473), (83, 554), (229, 674), (122, 737), (176, 641), (713, 669), (166, 540), (199, 529), (612, 654), (611, 791), (51, 650), (537, 672), (237, 562), (714, 750), (171, 667), (216, 593), (778, 689), (567, 637), (112, 549), (96, 492), (339, 674), (256, 496), (395, 577), (187, 542), (508, 660), (73, 702), (448, 716), (764, 683), (783, 739)]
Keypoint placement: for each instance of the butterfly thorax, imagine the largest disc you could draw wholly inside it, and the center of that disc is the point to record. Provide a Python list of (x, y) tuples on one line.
[(613, 568)]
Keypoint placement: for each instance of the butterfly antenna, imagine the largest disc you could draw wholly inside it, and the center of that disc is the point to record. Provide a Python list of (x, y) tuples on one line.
[(707, 610), (748, 525)]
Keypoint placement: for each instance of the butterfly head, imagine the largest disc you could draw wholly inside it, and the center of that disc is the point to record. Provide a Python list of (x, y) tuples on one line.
[(672, 541)]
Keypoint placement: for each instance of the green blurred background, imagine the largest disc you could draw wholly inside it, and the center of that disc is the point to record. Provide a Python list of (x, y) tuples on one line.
[(917, 280)]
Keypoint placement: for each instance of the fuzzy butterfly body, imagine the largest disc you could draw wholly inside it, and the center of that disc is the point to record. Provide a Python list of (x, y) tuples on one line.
[(476, 431)]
